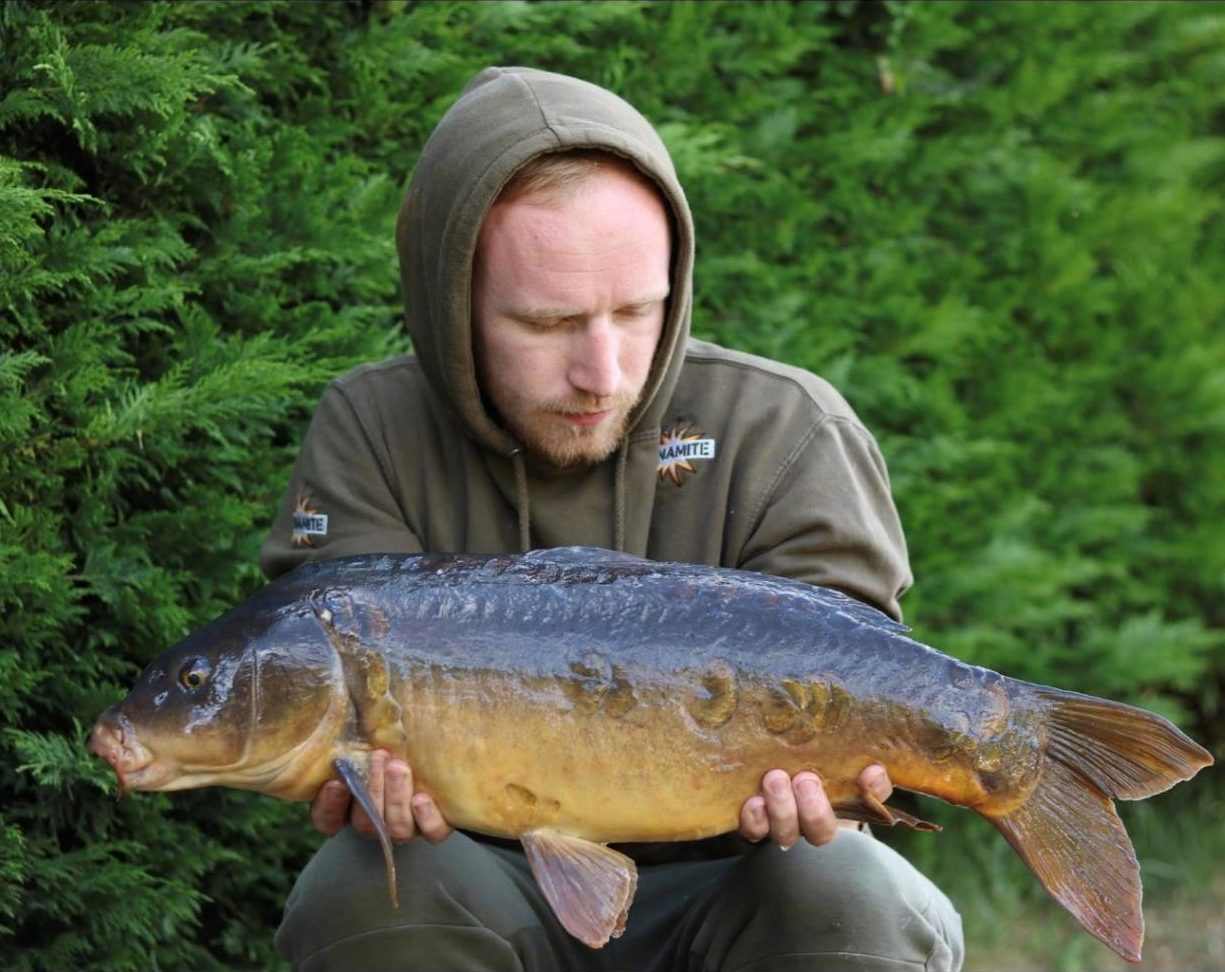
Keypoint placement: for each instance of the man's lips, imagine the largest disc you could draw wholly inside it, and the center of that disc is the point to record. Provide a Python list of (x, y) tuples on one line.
[(586, 418)]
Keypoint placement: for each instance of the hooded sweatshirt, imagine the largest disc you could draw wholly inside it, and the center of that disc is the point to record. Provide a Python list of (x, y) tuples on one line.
[(730, 459)]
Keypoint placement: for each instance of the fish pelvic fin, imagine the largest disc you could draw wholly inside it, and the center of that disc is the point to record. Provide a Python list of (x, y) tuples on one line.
[(1073, 840), (589, 886), (355, 780)]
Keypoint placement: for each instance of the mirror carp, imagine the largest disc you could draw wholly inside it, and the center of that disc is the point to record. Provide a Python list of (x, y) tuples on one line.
[(577, 697)]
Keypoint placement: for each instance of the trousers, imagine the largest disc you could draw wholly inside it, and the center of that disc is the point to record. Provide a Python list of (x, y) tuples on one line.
[(853, 904)]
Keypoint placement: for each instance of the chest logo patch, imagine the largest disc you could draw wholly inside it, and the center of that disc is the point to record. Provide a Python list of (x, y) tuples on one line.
[(308, 523), (679, 447)]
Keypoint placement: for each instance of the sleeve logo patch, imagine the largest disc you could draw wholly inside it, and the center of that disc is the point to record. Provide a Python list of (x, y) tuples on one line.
[(679, 447), (308, 523)]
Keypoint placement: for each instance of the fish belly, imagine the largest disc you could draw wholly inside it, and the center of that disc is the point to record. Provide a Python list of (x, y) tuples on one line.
[(510, 756)]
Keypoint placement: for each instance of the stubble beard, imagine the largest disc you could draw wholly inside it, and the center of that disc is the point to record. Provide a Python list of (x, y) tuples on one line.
[(546, 435)]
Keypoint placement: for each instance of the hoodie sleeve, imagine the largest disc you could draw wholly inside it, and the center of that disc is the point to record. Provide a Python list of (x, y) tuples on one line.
[(829, 518), (340, 499)]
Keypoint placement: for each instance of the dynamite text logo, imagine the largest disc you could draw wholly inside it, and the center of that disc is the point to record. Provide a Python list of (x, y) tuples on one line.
[(308, 523), (678, 448)]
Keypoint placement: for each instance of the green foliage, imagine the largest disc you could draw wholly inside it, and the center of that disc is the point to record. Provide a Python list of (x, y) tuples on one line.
[(182, 264), (998, 228)]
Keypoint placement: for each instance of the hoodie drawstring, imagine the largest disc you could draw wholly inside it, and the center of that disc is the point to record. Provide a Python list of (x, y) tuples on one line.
[(525, 515), (619, 496), (521, 501)]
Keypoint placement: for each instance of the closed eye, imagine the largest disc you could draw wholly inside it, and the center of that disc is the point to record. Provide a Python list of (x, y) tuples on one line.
[(634, 312)]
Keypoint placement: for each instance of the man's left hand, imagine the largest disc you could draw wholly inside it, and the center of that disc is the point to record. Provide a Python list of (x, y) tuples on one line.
[(788, 808)]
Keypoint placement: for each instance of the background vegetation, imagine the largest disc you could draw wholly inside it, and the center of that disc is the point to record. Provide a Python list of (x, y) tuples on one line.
[(997, 227)]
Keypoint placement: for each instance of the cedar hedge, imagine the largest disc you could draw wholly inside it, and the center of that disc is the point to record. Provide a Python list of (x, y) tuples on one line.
[(997, 228)]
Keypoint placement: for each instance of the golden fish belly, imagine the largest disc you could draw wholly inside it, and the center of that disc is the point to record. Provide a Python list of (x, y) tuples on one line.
[(653, 762)]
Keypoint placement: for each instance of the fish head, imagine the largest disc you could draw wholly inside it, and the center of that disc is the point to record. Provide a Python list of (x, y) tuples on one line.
[(245, 702)]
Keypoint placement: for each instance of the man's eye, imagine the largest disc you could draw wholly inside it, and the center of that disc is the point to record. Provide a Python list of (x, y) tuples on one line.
[(546, 324), (637, 312)]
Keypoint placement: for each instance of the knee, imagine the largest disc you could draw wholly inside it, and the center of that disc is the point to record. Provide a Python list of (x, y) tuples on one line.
[(339, 913), (342, 895), (856, 902), (853, 873)]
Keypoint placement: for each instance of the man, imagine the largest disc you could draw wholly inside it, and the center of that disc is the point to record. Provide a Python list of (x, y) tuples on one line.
[(555, 398)]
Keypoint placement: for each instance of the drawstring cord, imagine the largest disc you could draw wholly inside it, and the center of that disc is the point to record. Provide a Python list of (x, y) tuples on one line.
[(522, 500), (525, 519), (619, 496)]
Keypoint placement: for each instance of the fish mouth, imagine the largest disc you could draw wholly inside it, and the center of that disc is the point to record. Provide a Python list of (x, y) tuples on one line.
[(135, 766)]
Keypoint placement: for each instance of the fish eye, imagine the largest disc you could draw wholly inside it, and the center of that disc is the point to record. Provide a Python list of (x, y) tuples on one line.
[(194, 673)]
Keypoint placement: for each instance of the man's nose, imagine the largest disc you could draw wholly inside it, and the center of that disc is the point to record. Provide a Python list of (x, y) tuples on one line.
[(595, 365)]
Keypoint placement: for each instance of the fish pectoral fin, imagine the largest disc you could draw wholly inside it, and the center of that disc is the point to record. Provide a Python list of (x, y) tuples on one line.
[(355, 779), (865, 806), (588, 885)]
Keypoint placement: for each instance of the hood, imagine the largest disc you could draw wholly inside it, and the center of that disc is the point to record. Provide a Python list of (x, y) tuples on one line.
[(504, 118)]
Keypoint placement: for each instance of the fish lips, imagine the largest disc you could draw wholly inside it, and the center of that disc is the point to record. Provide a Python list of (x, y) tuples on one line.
[(115, 740)]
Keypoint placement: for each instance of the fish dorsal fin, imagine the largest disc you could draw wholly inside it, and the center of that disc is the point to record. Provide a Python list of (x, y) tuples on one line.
[(581, 556), (355, 779), (588, 885), (353, 628)]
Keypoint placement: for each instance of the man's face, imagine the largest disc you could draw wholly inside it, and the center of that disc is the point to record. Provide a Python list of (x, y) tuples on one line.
[(568, 305)]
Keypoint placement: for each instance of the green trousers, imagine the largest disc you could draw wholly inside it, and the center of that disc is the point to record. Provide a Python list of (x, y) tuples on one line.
[(468, 905)]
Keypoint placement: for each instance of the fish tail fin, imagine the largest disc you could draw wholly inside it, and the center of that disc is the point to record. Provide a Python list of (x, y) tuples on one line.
[(1126, 752), (1068, 831), (1073, 840)]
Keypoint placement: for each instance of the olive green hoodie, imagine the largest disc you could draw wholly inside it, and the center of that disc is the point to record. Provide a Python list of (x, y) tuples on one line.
[(730, 459)]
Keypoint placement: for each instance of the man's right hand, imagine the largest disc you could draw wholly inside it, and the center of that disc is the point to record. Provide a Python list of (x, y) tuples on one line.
[(407, 814)]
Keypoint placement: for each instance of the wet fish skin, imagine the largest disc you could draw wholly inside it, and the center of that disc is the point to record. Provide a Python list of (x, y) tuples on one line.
[(575, 697)]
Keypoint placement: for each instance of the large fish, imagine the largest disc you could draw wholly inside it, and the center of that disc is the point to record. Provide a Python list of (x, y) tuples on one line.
[(576, 697)]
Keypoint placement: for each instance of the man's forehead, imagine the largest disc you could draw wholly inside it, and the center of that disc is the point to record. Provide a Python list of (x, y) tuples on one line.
[(632, 186), (616, 228)]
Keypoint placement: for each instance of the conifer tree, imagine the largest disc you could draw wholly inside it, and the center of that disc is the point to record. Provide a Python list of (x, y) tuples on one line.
[(997, 228)]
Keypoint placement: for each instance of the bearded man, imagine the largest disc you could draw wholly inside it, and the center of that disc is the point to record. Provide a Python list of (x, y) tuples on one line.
[(555, 398)]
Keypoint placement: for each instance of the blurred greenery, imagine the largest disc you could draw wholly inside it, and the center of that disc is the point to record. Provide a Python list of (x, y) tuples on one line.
[(998, 228)]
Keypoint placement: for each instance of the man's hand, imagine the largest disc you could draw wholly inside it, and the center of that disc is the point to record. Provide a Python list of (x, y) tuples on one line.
[(789, 808), (406, 814)]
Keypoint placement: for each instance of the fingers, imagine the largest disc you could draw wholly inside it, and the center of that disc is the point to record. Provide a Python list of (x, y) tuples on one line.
[(754, 824), (875, 780), (409, 814), (430, 822), (816, 817), (397, 799), (781, 808), (390, 785), (788, 809), (330, 808)]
